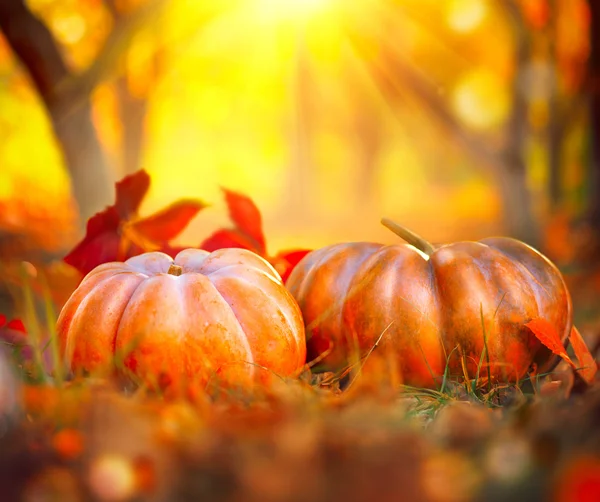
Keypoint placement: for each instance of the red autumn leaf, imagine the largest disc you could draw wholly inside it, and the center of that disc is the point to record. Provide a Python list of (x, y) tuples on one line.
[(130, 192), (168, 223), (587, 365), (100, 244), (546, 333), (114, 234), (12, 332), (247, 218), (285, 261), (16, 325), (228, 238), (248, 234)]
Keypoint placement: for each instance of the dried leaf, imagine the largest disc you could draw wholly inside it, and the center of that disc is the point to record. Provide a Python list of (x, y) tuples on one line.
[(587, 365), (546, 333), (247, 218), (168, 223)]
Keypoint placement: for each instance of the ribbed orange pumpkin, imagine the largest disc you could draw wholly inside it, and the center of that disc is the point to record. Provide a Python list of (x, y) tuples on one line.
[(431, 305), (224, 314)]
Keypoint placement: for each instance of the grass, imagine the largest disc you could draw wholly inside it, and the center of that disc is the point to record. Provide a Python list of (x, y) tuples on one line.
[(320, 436)]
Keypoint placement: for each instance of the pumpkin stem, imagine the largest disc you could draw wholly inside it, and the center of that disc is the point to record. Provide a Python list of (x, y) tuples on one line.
[(175, 270), (410, 237)]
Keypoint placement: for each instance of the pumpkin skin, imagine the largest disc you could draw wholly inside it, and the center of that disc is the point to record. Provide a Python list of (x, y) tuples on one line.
[(185, 320), (432, 306)]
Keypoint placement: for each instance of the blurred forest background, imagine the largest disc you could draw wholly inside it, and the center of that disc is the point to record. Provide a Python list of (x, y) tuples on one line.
[(458, 118)]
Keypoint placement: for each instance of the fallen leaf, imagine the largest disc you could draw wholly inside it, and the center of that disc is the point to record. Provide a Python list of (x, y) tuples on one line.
[(546, 333), (587, 365)]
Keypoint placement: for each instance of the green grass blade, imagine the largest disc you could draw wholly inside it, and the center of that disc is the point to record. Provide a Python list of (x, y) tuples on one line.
[(446, 371), (53, 340), (485, 345), (32, 324)]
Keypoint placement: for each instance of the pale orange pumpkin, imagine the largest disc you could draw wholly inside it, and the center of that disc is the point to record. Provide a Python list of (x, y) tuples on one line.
[(201, 316)]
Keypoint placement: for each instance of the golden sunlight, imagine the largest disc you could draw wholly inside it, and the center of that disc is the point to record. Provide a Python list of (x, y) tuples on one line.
[(465, 15), (275, 10)]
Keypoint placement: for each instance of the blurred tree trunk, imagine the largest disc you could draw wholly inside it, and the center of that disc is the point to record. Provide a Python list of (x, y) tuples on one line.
[(70, 115), (132, 107), (516, 196), (556, 123), (66, 95), (85, 159), (132, 110), (132, 114), (594, 84)]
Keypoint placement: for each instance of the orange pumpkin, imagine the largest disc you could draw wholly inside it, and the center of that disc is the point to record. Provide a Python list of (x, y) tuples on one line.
[(224, 314), (465, 303)]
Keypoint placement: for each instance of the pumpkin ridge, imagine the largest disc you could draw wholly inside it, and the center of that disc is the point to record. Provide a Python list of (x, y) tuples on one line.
[(522, 266), (293, 343), (404, 314), (435, 294), (552, 267), (244, 338), (118, 330), (327, 253), (241, 334), (235, 256), (244, 267), (84, 297), (364, 272), (556, 272), (455, 331), (100, 269), (527, 289), (81, 307), (146, 265), (66, 316), (290, 322), (192, 344), (344, 293)]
